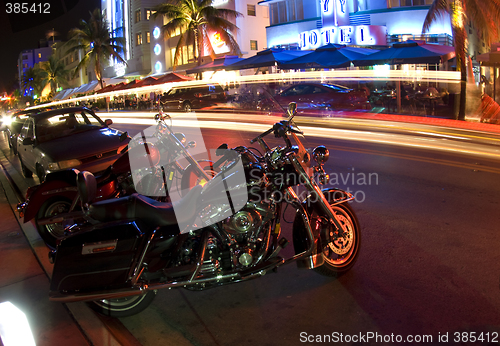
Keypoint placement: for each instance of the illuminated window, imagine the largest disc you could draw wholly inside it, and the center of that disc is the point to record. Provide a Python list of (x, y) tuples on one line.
[(190, 53), (286, 11), (39, 55), (253, 45), (148, 13), (177, 32), (137, 16), (251, 10), (184, 55), (148, 37), (172, 55), (138, 38)]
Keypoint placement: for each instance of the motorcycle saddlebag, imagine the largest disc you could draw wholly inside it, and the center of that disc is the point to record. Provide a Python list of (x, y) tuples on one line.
[(100, 258)]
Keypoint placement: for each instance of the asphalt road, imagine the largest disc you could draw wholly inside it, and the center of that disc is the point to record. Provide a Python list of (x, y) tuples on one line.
[(429, 266)]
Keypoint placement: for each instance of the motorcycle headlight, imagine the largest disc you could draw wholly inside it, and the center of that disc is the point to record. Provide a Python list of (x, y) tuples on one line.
[(321, 154), (54, 166)]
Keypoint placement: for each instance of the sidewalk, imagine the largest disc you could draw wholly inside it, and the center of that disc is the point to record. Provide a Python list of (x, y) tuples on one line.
[(24, 280), (24, 283)]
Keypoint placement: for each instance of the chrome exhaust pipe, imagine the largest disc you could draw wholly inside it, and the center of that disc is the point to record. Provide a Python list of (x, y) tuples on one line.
[(140, 289)]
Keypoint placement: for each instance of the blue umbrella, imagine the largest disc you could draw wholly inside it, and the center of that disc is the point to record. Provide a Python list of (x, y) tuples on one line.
[(217, 64), (329, 56), (268, 57), (409, 52)]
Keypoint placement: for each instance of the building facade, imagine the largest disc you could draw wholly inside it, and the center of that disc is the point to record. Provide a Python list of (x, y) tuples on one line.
[(149, 52), (28, 59), (308, 24)]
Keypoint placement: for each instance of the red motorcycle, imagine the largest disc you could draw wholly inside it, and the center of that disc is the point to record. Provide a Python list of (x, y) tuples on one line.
[(54, 205)]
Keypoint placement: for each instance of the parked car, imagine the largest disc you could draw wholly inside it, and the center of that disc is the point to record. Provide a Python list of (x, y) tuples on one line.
[(196, 97), (14, 124), (318, 96), (68, 138)]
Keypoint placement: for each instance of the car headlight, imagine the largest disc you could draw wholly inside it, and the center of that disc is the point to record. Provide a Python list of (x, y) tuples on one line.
[(54, 166), (6, 120)]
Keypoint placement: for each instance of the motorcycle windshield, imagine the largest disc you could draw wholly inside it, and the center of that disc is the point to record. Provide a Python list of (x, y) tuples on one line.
[(166, 166)]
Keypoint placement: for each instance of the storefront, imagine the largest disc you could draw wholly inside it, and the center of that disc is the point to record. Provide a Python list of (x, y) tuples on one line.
[(306, 24)]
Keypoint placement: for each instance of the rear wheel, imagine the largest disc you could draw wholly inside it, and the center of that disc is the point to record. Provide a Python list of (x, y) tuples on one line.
[(26, 172), (123, 307), (51, 232)]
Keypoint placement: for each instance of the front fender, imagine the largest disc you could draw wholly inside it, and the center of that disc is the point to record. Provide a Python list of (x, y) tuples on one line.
[(333, 196)]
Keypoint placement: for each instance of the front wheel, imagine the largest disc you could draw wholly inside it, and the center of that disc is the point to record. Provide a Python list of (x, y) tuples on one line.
[(123, 307), (342, 247), (187, 107)]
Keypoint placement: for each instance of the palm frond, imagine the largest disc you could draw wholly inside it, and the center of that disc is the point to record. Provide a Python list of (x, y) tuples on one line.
[(438, 9)]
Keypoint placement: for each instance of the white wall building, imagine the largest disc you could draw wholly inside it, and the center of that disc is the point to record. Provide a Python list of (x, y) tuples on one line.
[(149, 52)]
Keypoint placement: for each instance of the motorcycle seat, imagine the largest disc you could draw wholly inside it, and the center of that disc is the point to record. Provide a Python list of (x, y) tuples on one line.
[(146, 209)]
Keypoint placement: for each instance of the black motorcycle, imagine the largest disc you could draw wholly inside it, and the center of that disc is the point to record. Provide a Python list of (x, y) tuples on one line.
[(220, 233), (53, 204)]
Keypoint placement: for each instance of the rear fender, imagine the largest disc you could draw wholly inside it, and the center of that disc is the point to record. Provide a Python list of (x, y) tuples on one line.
[(61, 183), (333, 196)]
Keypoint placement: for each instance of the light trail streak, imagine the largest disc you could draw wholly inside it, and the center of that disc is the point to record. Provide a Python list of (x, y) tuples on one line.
[(283, 77), (403, 140)]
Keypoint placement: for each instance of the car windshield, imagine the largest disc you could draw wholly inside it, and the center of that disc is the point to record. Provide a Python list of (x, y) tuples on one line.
[(336, 87), (66, 124)]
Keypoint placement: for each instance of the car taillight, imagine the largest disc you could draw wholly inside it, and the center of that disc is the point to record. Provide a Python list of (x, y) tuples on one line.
[(30, 191), (197, 95)]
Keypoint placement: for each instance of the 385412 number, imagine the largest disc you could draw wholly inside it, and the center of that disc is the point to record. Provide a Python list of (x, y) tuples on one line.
[(24, 7), (475, 337)]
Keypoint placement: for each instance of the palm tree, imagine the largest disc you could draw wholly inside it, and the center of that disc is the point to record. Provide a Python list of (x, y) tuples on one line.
[(53, 72), (97, 43), (32, 81), (485, 14), (196, 20)]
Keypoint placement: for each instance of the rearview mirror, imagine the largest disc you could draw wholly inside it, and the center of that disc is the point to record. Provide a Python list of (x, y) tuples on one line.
[(292, 109), (108, 122)]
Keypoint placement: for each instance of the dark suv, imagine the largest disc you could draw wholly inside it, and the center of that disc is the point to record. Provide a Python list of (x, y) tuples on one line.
[(196, 97)]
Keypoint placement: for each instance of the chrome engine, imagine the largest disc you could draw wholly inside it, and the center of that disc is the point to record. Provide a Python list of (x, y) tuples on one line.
[(249, 219), (245, 232), (246, 229)]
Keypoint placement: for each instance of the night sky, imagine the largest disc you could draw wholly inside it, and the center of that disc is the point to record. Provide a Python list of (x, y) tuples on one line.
[(25, 30)]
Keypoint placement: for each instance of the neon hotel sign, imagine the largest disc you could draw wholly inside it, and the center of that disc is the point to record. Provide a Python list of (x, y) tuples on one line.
[(336, 29)]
